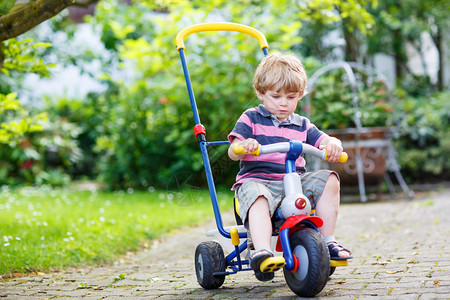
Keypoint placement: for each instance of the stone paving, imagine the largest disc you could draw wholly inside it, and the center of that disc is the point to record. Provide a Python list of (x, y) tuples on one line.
[(400, 251)]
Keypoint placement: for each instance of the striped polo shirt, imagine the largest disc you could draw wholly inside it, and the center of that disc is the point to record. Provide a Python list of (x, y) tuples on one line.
[(261, 125)]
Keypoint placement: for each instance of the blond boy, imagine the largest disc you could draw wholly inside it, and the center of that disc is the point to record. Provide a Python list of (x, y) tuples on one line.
[(280, 82)]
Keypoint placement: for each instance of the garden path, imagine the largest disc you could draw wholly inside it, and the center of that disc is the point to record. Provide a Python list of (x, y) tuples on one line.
[(400, 250)]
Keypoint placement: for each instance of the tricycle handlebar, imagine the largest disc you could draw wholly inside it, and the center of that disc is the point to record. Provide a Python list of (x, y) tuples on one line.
[(285, 147)]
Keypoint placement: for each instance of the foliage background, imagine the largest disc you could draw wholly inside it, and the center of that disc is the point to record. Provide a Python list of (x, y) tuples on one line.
[(138, 133)]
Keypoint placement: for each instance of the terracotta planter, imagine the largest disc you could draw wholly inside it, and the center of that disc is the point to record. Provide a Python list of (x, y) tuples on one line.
[(373, 143)]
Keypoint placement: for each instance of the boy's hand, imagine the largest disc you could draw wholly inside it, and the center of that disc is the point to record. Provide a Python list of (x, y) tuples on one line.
[(334, 149), (249, 145)]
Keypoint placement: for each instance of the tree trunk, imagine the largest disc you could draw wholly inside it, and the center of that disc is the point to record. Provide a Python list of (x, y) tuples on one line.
[(438, 41), (2, 55), (399, 54), (352, 45), (23, 17)]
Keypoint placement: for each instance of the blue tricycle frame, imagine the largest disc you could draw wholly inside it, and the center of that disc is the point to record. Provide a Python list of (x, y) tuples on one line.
[(211, 264)]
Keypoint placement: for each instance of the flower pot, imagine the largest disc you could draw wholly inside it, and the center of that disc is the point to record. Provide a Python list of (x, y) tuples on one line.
[(373, 143)]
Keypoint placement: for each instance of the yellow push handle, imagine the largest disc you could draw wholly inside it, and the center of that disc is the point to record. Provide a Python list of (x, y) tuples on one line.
[(342, 159), (220, 26), (234, 236), (238, 149)]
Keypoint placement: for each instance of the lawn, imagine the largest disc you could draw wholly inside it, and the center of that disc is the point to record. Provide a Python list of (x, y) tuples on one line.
[(45, 228)]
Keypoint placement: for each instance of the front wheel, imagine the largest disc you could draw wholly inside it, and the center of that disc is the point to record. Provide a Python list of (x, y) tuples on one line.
[(209, 259), (314, 268)]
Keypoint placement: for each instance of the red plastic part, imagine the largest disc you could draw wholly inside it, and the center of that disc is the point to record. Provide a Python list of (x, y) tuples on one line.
[(199, 128), (296, 263), (291, 222), (300, 203)]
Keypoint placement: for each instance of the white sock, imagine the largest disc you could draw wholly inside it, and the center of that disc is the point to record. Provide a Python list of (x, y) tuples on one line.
[(329, 239)]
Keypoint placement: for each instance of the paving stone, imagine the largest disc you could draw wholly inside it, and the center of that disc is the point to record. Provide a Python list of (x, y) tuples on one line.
[(400, 251)]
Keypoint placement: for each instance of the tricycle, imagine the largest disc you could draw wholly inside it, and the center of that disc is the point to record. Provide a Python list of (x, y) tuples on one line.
[(305, 257)]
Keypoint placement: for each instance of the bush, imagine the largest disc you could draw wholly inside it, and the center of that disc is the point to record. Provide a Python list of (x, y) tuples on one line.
[(146, 135), (87, 116), (45, 157), (424, 137), (332, 101)]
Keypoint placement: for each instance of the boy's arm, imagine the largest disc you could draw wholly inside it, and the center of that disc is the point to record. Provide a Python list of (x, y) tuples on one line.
[(250, 145), (333, 147)]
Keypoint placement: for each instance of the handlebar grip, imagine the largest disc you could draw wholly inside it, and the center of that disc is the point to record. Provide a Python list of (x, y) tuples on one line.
[(238, 149), (342, 159)]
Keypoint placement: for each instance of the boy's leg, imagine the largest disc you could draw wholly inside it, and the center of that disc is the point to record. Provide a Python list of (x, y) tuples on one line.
[(258, 202), (260, 224), (256, 215), (327, 208), (328, 205)]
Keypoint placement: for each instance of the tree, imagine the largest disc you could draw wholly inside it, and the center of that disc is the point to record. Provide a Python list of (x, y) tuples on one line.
[(17, 17), (20, 57), (401, 22), (22, 17), (142, 125), (348, 18), (145, 135)]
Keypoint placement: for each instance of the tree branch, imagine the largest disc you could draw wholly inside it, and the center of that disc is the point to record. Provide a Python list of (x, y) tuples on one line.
[(23, 17), (2, 55), (84, 4)]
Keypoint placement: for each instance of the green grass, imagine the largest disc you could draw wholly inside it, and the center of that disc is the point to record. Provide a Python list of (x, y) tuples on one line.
[(43, 228)]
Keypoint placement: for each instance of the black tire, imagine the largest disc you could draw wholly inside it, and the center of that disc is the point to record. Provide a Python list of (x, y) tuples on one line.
[(209, 258), (314, 269), (332, 269)]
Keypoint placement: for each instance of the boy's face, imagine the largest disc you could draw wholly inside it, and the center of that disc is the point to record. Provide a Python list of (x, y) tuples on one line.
[(280, 103)]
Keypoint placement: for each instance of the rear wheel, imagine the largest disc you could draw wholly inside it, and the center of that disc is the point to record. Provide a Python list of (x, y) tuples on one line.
[(209, 259), (314, 268)]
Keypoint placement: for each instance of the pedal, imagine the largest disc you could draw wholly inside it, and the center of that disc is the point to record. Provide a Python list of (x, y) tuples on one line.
[(272, 264), (339, 263)]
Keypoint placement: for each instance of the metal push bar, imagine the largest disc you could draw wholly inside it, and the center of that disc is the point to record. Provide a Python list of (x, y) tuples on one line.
[(201, 134)]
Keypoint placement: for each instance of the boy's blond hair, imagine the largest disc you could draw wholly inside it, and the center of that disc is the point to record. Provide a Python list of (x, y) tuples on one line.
[(280, 72)]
